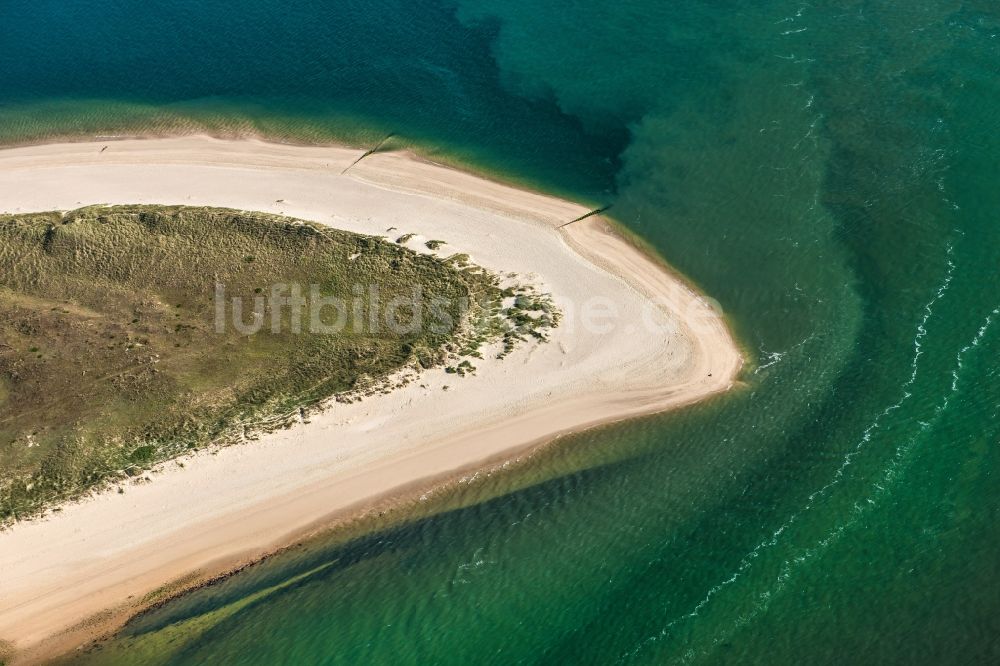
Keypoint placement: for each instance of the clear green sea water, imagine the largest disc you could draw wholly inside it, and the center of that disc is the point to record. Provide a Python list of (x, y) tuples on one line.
[(830, 172)]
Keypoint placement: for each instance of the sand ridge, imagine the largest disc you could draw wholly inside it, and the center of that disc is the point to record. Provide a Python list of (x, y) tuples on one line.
[(246, 501)]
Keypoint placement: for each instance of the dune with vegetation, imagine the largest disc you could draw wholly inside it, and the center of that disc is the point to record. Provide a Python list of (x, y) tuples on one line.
[(113, 358)]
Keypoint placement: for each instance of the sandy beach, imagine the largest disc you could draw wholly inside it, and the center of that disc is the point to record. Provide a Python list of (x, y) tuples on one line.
[(635, 340)]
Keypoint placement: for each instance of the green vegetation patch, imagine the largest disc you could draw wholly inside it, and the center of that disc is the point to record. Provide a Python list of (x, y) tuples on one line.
[(113, 357)]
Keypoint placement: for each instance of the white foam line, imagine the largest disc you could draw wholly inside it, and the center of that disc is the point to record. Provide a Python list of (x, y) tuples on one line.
[(879, 489), (748, 559), (891, 471)]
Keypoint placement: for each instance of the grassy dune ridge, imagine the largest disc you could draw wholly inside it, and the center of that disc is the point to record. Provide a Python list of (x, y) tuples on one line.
[(110, 359)]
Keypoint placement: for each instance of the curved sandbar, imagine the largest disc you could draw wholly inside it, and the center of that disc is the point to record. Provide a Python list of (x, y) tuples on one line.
[(663, 347)]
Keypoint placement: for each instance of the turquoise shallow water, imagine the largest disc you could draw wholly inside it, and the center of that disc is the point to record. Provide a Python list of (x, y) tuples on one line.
[(827, 171)]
